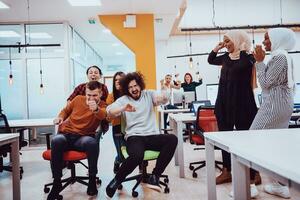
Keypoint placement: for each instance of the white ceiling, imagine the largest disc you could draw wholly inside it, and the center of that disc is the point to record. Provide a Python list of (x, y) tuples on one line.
[(61, 10)]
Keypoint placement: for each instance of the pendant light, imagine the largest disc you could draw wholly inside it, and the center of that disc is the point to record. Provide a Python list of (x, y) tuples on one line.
[(190, 59), (10, 77), (41, 74)]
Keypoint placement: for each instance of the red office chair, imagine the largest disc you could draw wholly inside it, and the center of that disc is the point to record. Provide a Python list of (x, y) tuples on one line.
[(71, 158), (205, 122)]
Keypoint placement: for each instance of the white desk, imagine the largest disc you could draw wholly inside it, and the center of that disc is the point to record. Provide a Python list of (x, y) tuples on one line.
[(13, 139), (161, 113), (31, 123), (273, 152), (176, 123)]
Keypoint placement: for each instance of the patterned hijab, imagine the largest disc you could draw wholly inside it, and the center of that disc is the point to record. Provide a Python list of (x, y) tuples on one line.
[(283, 40), (241, 42)]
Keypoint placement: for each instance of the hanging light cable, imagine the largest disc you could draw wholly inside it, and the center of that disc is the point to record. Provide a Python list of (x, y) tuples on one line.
[(10, 77), (191, 58), (41, 74)]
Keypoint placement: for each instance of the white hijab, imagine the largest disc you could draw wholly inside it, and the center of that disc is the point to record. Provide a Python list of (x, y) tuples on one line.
[(283, 40), (241, 42)]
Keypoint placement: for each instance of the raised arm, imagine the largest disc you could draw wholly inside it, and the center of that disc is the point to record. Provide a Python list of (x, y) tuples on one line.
[(213, 59)]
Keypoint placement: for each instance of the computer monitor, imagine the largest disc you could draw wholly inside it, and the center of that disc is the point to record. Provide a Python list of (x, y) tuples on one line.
[(297, 96), (197, 104), (189, 97), (212, 92), (177, 97)]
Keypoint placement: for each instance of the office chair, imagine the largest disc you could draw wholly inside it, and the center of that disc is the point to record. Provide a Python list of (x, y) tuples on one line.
[(71, 158), (205, 122), (5, 149), (143, 176)]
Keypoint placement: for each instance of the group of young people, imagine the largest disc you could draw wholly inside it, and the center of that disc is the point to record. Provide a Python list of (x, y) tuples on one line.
[(130, 103), (89, 106)]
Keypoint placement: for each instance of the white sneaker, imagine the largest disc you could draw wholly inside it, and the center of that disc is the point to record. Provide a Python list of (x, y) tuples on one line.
[(253, 192), (278, 190)]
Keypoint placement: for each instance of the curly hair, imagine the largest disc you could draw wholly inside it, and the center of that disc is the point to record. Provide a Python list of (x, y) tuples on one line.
[(137, 76), (117, 93)]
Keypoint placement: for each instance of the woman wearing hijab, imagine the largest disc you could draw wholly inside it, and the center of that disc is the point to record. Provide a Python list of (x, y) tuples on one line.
[(235, 104), (277, 83)]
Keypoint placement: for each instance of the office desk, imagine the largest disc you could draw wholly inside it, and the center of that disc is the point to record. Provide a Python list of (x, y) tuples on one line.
[(275, 153), (13, 139), (161, 113), (176, 123), (31, 124)]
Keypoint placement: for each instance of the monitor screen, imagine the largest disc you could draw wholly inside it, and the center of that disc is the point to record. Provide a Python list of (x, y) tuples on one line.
[(189, 97), (177, 97), (297, 95), (212, 92)]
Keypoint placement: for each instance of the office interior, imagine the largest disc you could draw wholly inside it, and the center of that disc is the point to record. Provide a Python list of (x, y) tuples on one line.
[(47, 46)]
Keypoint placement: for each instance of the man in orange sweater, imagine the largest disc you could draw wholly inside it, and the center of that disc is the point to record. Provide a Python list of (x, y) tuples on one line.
[(78, 122)]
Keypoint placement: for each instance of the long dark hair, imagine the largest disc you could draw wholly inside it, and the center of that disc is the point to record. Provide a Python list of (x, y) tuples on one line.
[(188, 74), (137, 76), (117, 93)]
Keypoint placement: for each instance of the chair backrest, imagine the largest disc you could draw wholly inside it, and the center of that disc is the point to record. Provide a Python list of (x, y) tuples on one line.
[(206, 120), (4, 127)]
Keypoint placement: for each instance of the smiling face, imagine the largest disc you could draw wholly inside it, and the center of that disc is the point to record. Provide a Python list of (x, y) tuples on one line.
[(228, 44), (93, 74), (168, 79), (187, 78), (93, 95), (117, 82), (134, 90), (267, 42)]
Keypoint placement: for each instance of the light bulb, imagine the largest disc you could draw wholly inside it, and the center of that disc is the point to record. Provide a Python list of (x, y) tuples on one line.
[(191, 62), (41, 88), (10, 79)]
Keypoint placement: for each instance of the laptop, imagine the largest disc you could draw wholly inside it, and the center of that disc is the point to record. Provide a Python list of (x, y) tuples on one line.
[(197, 104)]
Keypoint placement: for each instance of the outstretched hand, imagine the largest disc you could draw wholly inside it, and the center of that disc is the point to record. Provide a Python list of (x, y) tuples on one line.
[(259, 54), (129, 108)]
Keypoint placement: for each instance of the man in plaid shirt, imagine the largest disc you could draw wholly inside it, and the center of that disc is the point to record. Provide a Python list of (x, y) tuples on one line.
[(93, 73)]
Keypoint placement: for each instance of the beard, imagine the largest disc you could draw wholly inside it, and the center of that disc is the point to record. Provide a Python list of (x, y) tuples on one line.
[(135, 97)]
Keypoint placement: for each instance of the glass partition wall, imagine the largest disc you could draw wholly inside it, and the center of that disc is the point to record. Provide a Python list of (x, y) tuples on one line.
[(57, 69)]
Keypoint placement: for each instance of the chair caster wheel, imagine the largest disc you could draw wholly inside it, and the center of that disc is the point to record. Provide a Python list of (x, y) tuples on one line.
[(120, 187), (195, 175), (191, 167), (167, 190), (166, 180), (134, 194), (46, 189), (98, 181)]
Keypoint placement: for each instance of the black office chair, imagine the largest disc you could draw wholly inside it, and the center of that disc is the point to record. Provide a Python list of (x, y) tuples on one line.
[(5, 149)]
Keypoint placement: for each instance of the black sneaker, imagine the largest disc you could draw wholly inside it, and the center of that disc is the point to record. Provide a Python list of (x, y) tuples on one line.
[(116, 167), (153, 183), (92, 187), (111, 188)]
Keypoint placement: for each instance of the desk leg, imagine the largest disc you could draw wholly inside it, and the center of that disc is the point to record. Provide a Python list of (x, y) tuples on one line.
[(159, 120), (180, 149), (174, 130), (16, 170), (241, 179), (210, 171)]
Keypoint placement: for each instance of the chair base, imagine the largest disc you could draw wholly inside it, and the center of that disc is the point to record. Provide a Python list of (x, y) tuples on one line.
[(71, 180), (9, 168), (142, 177), (201, 165)]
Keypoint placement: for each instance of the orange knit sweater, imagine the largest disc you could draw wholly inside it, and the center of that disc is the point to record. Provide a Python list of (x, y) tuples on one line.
[(79, 119), (110, 100)]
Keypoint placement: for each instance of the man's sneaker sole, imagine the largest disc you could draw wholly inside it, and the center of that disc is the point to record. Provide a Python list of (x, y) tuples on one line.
[(153, 187)]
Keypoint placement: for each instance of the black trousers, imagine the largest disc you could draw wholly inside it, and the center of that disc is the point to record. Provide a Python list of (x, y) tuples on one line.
[(136, 145), (225, 155), (64, 142)]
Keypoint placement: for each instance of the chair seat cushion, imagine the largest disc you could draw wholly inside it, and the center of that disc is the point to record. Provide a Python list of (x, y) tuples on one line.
[(68, 155), (197, 139), (148, 154)]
